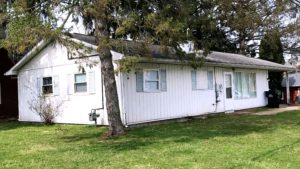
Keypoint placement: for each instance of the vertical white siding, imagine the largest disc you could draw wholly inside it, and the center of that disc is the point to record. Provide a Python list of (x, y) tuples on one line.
[(52, 61), (136, 107), (261, 87), (180, 100)]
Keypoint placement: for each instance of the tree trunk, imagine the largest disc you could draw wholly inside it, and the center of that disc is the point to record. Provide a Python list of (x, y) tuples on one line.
[(242, 38), (112, 102)]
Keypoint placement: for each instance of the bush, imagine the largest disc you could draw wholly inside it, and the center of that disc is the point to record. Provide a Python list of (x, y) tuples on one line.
[(46, 109)]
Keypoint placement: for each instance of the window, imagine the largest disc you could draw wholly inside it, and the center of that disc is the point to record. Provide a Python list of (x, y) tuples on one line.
[(80, 83), (47, 87), (202, 80), (228, 86), (245, 85), (151, 80)]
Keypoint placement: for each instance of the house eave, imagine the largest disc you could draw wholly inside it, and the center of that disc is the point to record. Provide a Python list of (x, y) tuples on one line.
[(39, 47), (220, 64)]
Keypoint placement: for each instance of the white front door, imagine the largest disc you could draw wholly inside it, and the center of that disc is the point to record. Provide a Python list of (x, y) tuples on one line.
[(228, 86)]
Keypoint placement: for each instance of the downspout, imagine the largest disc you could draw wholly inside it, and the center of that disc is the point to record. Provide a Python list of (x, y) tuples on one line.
[(123, 100), (216, 91), (287, 82), (102, 93)]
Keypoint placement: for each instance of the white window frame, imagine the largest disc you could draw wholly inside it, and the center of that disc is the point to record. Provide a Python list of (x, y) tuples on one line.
[(75, 83), (243, 74), (145, 80), (47, 85), (206, 72)]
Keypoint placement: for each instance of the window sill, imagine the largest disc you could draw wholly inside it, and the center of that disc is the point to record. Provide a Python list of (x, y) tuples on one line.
[(152, 91), (81, 94), (48, 95), (245, 98), (202, 89)]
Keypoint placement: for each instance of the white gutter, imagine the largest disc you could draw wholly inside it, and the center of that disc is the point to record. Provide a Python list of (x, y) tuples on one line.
[(39, 47), (230, 65)]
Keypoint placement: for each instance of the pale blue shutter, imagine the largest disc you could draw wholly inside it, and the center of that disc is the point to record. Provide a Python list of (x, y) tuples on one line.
[(194, 80), (39, 86), (163, 80), (210, 79), (55, 85), (92, 87), (70, 84), (139, 81)]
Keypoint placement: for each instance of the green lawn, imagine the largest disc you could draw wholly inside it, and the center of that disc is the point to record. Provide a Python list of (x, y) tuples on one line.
[(227, 141), (259, 109)]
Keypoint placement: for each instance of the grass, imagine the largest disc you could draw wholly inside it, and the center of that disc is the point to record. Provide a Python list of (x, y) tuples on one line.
[(258, 109), (226, 141)]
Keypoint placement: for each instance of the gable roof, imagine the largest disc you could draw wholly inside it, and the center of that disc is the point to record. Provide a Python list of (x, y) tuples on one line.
[(214, 58), (241, 61), (170, 57), (33, 52)]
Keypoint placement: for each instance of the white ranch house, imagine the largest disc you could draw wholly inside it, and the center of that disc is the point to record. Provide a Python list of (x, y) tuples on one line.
[(160, 89)]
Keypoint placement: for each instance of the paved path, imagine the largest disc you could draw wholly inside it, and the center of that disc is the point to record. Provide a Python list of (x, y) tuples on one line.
[(271, 111)]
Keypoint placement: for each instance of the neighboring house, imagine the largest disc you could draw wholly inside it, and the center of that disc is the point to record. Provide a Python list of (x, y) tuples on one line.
[(294, 87), (158, 89), (8, 88)]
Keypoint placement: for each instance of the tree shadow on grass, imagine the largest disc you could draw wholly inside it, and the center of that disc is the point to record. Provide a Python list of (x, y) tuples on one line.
[(80, 137), (11, 125), (276, 150), (220, 126), (184, 132)]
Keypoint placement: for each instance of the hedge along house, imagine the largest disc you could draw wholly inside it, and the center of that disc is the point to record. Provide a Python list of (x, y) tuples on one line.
[(156, 89), (8, 88)]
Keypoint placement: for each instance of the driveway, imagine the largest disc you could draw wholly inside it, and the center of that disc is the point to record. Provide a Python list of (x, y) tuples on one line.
[(270, 111)]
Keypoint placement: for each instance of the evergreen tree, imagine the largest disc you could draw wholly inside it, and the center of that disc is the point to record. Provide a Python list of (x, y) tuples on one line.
[(161, 22), (158, 22), (271, 49), (245, 21)]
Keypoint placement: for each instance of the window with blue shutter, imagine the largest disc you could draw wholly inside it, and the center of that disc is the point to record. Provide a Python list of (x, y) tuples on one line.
[(139, 81), (151, 80), (202, 79), (80, 83)]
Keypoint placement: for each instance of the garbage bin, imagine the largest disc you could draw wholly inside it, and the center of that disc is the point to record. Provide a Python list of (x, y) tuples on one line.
[(273, 99)]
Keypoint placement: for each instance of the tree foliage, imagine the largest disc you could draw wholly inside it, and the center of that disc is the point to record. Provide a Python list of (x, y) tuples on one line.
[(164, 23), (245, 22), (271, 49), (223, 25)]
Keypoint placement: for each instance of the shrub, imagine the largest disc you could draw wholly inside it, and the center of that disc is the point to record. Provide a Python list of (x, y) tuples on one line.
[(46, 108)]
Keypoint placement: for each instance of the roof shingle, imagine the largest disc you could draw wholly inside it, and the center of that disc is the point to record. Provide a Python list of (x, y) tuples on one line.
[(214, 58)]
